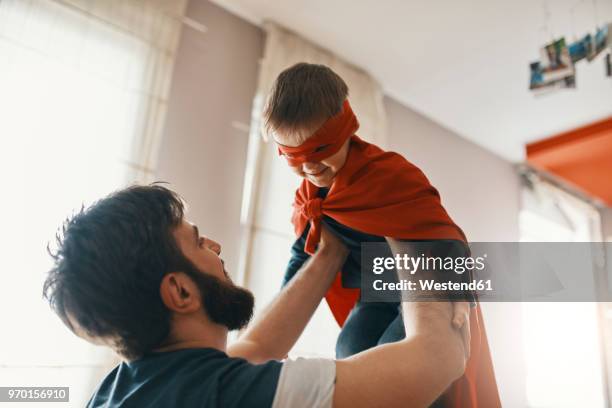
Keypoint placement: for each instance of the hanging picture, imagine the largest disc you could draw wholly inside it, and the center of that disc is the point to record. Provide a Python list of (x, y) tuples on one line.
[(536, 75), (600, 41), (555, 61), (580, 49), (538, 81), (608, 65)]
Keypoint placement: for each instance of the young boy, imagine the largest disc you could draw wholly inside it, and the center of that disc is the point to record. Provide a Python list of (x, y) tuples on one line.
[(363, 194)]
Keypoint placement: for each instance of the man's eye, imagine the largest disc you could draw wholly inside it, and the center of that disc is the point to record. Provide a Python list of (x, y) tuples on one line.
[(201, 242), (321, 148)]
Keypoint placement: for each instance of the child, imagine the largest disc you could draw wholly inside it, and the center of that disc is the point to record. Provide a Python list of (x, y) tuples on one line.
[(363, 194)]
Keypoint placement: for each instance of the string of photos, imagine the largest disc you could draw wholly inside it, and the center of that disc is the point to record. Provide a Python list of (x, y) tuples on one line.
[(556, 67)]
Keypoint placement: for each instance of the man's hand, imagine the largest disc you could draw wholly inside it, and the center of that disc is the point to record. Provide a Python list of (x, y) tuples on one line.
[(332, 244), (461, 322)]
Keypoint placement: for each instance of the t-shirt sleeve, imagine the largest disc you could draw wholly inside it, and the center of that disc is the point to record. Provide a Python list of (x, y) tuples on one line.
[(248, 385), (306, 383)]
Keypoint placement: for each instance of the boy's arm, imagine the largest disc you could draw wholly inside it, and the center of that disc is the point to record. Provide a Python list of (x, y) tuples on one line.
[(414, 371), (279, 326), (298, 257)]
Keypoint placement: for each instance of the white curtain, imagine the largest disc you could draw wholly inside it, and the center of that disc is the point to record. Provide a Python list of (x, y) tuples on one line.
[(83, 94), (562, 339), (270, 185)]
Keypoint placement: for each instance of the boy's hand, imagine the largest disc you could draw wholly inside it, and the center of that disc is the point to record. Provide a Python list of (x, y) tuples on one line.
[(461, 322)]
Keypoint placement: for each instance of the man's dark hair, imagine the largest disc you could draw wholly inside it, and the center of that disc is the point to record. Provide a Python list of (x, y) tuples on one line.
[(304, 95), (109, 264)]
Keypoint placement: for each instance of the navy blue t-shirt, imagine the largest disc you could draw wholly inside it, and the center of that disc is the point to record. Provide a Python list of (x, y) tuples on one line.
[(203, 377)]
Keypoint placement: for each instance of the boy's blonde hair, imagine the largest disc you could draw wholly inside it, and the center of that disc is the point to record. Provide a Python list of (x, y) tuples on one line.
[(302, 96)]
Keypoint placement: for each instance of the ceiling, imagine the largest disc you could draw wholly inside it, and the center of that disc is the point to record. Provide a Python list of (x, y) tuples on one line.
[(464, 64)]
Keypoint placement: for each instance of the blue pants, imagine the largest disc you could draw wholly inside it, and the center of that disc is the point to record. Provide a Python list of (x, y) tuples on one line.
[(368, 325)]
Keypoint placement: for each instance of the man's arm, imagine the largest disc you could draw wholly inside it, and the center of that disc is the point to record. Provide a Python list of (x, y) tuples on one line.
[(412, 372), (279, 326)]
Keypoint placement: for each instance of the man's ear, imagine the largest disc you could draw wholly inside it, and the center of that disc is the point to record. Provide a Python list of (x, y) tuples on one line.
[(179, 293)]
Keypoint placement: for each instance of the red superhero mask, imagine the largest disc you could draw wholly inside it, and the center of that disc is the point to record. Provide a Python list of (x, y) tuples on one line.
[(326, 141)]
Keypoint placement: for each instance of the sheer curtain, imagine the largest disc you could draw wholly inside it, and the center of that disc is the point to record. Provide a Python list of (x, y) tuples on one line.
[(270, 185), (562, 341), (83, 93)]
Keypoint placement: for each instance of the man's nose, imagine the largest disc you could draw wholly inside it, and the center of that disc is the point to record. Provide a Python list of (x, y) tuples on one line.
[(214, 246)]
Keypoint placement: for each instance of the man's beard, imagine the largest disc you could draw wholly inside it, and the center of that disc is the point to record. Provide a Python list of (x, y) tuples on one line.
[(224, 303)]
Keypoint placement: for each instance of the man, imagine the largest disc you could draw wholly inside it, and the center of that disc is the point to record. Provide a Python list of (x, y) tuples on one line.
[(132, 273)]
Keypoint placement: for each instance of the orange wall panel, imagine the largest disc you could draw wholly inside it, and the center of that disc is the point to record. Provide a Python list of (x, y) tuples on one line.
[(582, 157)]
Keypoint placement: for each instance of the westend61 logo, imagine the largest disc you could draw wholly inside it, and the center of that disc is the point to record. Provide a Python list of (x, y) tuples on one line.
[(413, 264)]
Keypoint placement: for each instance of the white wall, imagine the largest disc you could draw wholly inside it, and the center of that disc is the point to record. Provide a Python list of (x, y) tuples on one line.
[(479, 189), (202, 154)]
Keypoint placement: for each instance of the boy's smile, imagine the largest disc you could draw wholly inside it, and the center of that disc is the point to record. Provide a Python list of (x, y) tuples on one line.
[(320, 179)]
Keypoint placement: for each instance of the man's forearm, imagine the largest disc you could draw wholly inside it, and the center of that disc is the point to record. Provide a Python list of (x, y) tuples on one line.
[(431, 322), (280, 325), (411, 372)]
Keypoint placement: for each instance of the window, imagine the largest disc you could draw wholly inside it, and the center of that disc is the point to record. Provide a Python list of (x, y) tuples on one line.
[(562, 341), (82, 96)]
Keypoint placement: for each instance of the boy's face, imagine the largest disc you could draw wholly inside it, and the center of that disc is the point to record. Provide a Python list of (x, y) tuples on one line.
[(321, 173)]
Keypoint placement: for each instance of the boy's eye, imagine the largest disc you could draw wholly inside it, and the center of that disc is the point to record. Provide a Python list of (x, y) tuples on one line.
[(321, 148)]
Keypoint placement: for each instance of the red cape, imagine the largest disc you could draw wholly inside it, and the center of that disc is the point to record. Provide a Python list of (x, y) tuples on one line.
[(381, 193)]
